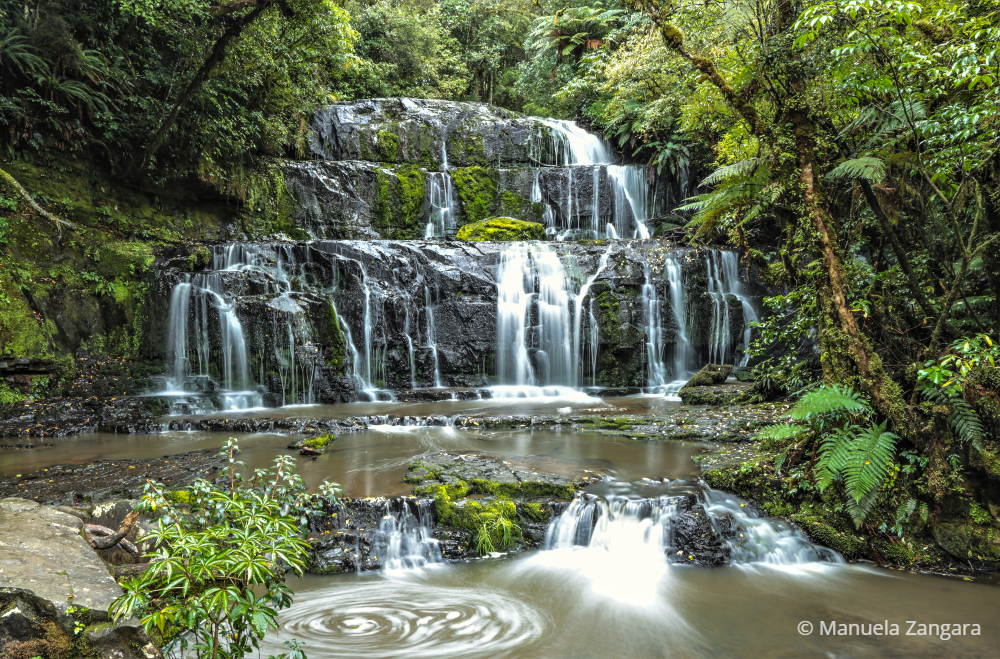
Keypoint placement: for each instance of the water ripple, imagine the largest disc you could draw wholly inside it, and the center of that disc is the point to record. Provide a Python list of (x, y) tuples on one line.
[(389, 618)]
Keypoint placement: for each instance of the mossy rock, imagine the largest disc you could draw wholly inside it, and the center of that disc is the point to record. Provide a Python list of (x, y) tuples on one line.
[(710, 374), (502, 229), (320, 442), (477, 194)]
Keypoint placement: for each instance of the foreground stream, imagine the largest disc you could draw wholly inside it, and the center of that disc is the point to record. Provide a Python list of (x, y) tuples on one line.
[(606, 584)]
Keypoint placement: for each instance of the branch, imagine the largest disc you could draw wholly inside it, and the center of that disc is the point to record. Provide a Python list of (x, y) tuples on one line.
[(38, 209), (110, 541)]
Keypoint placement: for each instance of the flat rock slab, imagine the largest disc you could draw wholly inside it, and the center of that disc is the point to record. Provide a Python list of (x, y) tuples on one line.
[(41, 550), (107, 480)]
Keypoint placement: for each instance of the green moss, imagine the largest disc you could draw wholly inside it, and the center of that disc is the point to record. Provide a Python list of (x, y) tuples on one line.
[(387, 146), (399, 200), (200, 258), (536, 512), (851, 545), (320, 442), (332, 337), (22, 334), (182, 497), (514, 205), (269, 205), (523, 489), (501, 229), (477, 192)]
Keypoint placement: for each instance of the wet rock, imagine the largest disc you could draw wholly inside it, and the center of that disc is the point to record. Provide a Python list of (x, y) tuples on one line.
[(108, 480), (48, 566), (720, 395)]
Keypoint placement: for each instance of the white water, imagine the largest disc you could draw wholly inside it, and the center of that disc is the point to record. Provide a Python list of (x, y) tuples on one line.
[(577, 375), (672, 268), (575, 146), (405, 540), (442, 199), (724, 284), (432, 335), (656, 370)]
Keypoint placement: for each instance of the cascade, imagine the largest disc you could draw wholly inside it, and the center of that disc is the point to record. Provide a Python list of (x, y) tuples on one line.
[(405, 537), (441, 221), (409, 347), (191, 328), (656, 371), (672, 268), (627, 528), (576, 376), (522, 266), (723, 284), (628, 183), (432, 335)]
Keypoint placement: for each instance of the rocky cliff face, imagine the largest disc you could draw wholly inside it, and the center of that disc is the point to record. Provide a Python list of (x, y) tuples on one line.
[(327, 320)]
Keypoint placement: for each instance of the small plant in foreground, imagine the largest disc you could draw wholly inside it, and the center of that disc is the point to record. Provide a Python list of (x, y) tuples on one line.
[(215, 582)]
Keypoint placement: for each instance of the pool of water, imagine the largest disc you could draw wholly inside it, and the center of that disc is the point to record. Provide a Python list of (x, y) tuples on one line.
[(584, 604), (373, 462)]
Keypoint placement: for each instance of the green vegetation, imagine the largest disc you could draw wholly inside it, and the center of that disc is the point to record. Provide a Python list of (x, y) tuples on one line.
[(320, 442), (216, 579), (502, 229), (399, 202), (477, 192)]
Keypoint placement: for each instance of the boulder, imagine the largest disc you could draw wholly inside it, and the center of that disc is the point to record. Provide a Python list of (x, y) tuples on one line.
[(50, 582), (710, 374)]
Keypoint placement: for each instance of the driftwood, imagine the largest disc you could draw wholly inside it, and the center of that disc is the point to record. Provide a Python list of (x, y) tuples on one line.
[(305, 450), (101, 537)]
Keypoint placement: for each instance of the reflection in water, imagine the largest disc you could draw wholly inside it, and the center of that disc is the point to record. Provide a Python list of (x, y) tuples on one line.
[(374, 462)]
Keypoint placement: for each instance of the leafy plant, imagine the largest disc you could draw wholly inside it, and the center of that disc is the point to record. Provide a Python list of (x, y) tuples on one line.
[(852, 450), (215, 582)]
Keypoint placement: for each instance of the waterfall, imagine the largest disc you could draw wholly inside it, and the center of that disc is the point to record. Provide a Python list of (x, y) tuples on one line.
[(576, 376), (441, 199), (409, 346), (674, 272), (724, 284), (629, 529), (631, 193), (404, 539), (628, 182), (522, 266), (432, 335), (656, 372), (180, 299), (191, 328)]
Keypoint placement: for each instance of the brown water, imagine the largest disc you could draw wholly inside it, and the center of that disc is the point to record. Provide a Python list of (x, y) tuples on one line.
[(373, 462), (578, 404), (555, 606)]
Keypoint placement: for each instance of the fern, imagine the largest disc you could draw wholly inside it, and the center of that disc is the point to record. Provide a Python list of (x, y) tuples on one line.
[(829, 400), (870, 169), (834, 453), (870, 458), (964, 420), (779, 432), (740, 169)]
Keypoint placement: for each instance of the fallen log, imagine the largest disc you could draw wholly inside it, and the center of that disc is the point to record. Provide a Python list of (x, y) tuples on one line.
[(133, 570)]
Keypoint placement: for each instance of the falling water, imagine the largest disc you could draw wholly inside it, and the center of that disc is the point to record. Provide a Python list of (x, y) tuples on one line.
[(656, 376), (724, 284), (405, 539), (672, 268), (628, 182), (442, 199), (432, 335), (409, 346), (576, 375)]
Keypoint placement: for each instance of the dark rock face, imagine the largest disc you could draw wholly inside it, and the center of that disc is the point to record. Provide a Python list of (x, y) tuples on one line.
[(320, 317), (401, 130)]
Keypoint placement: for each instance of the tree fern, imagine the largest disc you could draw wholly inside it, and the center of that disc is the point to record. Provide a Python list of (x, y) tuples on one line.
[(834, 453), (739, 169), (870, 169), (836, 399)]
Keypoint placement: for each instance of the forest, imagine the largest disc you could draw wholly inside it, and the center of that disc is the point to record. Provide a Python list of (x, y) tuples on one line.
[(833, 165)]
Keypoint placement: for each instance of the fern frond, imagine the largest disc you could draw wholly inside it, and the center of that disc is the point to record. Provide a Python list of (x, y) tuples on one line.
[(870, 169), (729, 172), (870, 459), (859, 509), (905, 509), (825, 400), (964, 420), (779, 432), (834, 453)]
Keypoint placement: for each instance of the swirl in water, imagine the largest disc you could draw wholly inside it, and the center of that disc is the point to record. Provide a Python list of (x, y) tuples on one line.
[(389, 618)]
